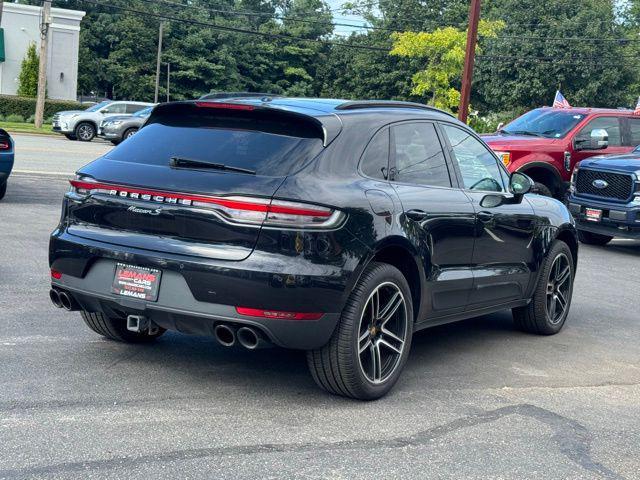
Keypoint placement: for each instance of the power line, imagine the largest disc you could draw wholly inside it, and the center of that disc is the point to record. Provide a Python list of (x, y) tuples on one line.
[(564, 39), (229, 29), (576, 61)]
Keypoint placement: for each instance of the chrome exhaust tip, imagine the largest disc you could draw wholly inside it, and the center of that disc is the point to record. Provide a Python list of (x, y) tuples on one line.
[(55, 298), (66, 301), (251, 339), (225, 335)]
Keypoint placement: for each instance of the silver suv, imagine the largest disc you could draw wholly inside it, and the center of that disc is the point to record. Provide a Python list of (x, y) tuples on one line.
[(83, 124)]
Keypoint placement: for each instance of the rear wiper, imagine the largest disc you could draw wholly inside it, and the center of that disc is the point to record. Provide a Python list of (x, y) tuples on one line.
[(179, 162)]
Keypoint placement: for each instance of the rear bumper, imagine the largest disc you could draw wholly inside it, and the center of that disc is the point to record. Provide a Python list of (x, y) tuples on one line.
[(195, 294), (6, 165), (110, 133), (618, 220)]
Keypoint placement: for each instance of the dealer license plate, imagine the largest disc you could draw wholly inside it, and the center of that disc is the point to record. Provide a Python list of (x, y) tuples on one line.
[(593, 214), (136, 282)]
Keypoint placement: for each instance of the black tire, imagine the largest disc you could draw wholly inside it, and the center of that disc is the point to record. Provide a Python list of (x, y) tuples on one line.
[(589, 238), (536, 317), (116, 142), (70, 136), (130, 132), (337, 367), (85, 131), (3, 190), (542, 189), (116, 328)]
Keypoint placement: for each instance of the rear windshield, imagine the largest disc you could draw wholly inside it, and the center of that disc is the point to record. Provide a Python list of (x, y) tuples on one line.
[(266, 143)]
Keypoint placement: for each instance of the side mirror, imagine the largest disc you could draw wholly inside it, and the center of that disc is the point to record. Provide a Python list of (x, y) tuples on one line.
[(520, 184), (599, 139)]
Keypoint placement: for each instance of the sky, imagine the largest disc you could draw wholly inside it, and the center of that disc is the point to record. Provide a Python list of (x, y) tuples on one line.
[(340, 18)]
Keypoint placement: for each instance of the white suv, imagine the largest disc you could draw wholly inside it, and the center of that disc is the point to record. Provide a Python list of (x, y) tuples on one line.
[(83, 124)]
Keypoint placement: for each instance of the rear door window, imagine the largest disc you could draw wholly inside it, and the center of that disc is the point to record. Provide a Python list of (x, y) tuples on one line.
[(419, 158), (634, 132), (115, 108), (133, 108), (267, 143)]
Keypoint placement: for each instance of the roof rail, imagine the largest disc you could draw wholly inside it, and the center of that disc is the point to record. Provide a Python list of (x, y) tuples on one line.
[(222, 95), (362, 104)]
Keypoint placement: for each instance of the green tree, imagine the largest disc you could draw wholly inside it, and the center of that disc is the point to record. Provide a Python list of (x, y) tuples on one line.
[(443, 49), (28, 78)]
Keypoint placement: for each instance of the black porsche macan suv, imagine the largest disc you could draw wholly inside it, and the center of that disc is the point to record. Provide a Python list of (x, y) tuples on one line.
[(337, 227)]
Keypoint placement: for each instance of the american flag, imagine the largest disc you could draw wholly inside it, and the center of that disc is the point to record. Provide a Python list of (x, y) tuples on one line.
[(636, 111), (560, 101)]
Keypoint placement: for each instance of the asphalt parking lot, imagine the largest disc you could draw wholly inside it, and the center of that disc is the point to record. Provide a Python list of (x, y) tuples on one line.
[(478, 399)]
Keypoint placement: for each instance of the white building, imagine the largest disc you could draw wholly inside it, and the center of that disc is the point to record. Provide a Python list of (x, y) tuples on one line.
[(21, 25)]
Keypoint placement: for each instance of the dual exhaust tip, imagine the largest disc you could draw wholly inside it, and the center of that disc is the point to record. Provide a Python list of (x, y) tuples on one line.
[(249, 338), (62, 299)]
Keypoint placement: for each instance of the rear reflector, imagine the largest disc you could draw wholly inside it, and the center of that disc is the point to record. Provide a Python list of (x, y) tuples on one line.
[(225, 106), (56, 274), (234, 209), (277, 315)]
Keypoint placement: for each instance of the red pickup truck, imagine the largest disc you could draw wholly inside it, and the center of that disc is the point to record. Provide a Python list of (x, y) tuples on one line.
[(546, 143)]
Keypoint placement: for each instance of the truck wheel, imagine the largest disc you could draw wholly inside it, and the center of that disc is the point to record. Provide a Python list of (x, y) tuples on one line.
[(3, 190), (370, 345), (542, 189), (116, 328), (590, 238), (70, 136), (85, 132), (549, 307)]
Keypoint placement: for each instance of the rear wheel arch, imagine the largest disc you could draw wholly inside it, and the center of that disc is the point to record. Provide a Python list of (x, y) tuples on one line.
[(570, 238), (400, 255)]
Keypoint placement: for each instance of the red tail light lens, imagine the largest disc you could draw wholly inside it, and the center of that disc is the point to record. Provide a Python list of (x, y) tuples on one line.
[(233, 209), (277, 315), (225, 106), (56, 274), (4, 146)]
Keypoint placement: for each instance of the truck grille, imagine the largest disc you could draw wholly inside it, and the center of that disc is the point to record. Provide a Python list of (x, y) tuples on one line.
[(618, 185)]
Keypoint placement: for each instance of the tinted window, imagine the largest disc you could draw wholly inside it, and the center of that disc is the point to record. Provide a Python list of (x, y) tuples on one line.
[(544, 122), (634, 130), (375, 161), (97, 106), (610, 124), (145, 112), (418, 155), (115, 108), (478, 166), (133, 108), (269, 143)]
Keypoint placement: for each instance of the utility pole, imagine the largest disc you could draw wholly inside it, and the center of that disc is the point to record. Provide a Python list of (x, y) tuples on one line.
[(158, 62), (42, 71), (168, 79), (469, 60)]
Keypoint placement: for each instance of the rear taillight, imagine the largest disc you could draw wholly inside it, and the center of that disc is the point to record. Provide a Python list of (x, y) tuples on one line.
[(5, 146), (56, 274), (233, 209)]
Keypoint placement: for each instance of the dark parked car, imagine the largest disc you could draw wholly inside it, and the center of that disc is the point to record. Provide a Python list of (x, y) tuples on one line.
[(332, 226), (119, 128), (605, 198), (6, 160)]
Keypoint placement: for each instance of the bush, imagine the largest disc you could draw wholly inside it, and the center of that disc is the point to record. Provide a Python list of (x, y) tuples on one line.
[(28, 78), (25, 107), (13, 118)]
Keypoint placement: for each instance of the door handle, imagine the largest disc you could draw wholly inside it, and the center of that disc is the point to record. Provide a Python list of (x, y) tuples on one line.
[(485, 216), (417, 215)]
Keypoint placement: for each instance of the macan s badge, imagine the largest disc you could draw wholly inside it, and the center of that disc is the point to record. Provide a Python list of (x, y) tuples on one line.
[(600, 184)]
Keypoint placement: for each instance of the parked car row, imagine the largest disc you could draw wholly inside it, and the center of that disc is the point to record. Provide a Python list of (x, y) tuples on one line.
[(84, 125), (587, 156)]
